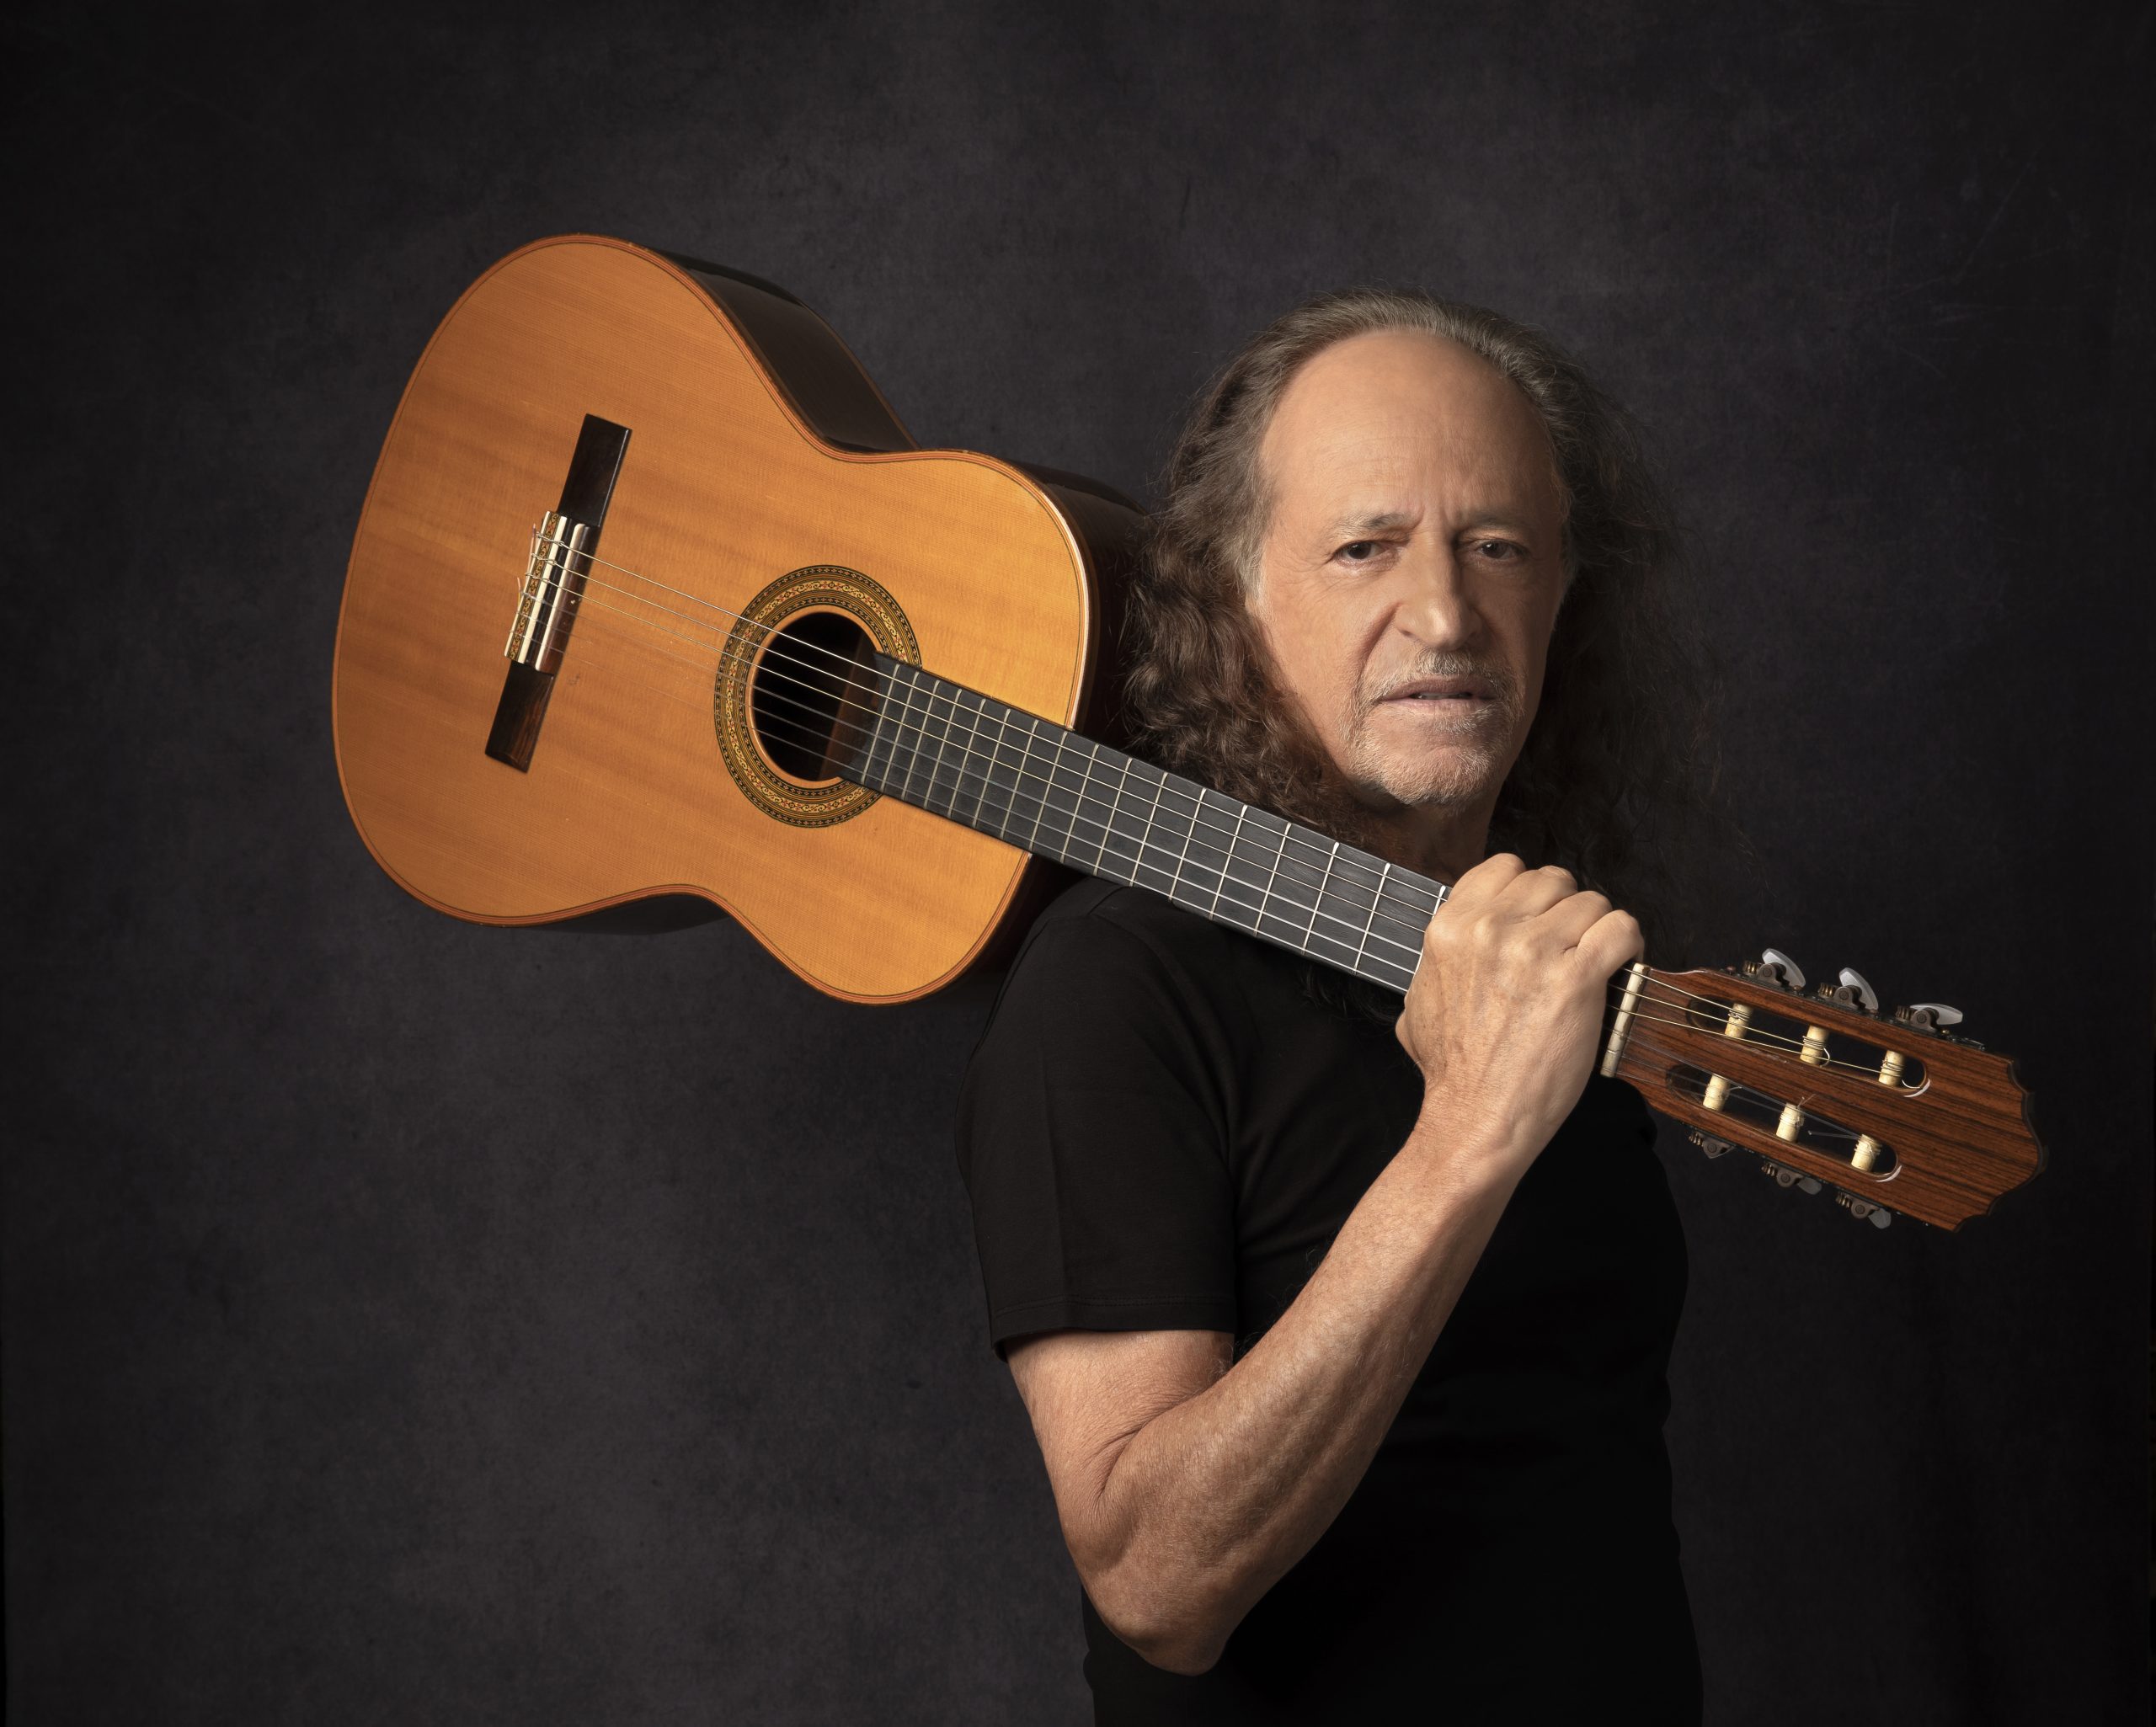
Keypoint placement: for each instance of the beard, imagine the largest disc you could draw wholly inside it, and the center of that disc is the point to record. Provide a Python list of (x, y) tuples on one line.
[(1448, 759)]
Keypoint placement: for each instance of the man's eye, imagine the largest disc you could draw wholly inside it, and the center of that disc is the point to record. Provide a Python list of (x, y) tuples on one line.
[(1358, 551), (1500, 549)]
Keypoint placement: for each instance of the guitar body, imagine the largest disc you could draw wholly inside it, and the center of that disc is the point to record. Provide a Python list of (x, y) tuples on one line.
[(755, 449)]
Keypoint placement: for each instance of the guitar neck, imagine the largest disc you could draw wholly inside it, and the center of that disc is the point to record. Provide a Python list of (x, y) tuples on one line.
[(1029, 782)]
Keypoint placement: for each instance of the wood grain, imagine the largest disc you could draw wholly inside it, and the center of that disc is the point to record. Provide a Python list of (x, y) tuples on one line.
[(723, 488), (1961, 1137)]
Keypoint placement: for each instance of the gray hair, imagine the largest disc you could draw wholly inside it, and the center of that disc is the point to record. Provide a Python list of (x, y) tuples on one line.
[(1619, 742)]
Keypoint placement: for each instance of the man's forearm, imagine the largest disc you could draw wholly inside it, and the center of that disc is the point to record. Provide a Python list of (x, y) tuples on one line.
[(1200, 1511)]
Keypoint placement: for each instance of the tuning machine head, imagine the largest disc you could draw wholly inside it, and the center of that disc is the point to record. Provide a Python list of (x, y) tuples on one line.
[(1928, 1016), (1776, 967), (1852, 991)]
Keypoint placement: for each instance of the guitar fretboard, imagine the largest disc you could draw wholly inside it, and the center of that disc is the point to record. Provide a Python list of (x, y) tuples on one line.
[(1000, 770)]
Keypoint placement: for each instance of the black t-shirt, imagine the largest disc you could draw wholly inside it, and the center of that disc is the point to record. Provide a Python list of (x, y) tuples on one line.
[(1164, 1127)]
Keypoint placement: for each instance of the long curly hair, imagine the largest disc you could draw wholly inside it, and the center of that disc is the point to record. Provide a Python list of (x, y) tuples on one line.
[(1616, 757)]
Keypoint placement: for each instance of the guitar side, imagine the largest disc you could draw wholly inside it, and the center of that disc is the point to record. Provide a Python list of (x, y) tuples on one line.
[(755, 446)]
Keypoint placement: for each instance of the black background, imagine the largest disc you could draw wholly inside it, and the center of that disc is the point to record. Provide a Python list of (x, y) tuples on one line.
[(412, 1322)]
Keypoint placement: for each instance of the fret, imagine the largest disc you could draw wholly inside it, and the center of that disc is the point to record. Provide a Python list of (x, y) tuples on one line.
[(1348, 901), (1405, 891), (1128, 822), (1021, 785), (936, 724), (1060, 788), (905, 785), (1146, 834), (944, 774), (996, 712), (924, 744), (1167, 844), (1247, 876), (1293, 902), (1235, 833), (1265, 898), (1199, 853), (888, 731), (1085, 785), (1383, 876), (1033, 733), (1318, 905), (924, 741), (1107, 828), (882, 735), (966, 804)]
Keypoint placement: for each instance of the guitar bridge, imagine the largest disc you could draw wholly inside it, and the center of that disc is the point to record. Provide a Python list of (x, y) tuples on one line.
[(554, 576)]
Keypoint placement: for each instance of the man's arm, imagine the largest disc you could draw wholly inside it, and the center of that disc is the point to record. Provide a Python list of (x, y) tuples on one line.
[(1185, 1486)]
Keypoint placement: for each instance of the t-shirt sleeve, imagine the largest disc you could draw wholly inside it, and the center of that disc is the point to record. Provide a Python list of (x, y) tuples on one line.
[(1093, 1142)]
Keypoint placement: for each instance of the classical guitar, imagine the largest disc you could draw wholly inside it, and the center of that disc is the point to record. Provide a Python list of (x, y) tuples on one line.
[(653, 599)]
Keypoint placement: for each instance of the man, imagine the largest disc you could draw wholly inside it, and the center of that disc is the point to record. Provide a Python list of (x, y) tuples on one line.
[(1344, 1339)]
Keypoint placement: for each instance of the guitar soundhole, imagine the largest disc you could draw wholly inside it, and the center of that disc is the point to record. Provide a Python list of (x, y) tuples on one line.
[(810, 696), (795, 693)]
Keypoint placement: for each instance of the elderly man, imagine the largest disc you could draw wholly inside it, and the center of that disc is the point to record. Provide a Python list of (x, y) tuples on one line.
[(1344, 1337)]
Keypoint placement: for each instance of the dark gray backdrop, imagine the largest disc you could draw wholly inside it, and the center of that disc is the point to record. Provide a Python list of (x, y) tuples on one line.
[(409, 1322)]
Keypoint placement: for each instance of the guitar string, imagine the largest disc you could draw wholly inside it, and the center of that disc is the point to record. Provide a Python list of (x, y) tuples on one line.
[(730, 654), (1676, 995), (1678, 999), (1684, 1000), (554, 567), (1707, 1061), (1760, 1036), (1402, 889), (1137, 862), (1826, 1128), (558, 571), (1390, 894)]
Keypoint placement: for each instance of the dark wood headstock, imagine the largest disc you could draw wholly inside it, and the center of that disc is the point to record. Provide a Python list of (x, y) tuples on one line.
[(1893, 1112)]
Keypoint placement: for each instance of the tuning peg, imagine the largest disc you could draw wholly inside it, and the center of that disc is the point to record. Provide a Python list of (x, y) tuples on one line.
[(1786, 1177), (1865, 1211), (1932, 1016), (1785, 969), (1857, 991)]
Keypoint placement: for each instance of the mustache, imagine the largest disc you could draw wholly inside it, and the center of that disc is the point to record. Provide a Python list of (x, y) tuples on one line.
[(1502, 688)]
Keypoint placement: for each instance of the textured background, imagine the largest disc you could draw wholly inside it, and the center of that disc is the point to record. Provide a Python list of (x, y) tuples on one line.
[(349, 1376)]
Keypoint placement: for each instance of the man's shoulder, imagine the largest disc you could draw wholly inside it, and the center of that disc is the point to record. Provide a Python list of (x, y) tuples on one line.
[(1095, 924)]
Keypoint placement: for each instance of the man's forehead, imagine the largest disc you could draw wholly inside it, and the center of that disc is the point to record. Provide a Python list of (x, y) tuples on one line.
[(1386, 413)]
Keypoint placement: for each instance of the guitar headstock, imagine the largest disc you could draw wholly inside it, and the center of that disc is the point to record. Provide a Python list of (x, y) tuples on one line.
[(1892, 1109)]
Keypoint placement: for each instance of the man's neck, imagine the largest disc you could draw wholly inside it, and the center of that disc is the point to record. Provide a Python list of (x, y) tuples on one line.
[(1442, 844)]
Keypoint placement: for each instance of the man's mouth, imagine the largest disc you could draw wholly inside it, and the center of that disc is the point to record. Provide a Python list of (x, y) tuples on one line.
[(1435, 690)]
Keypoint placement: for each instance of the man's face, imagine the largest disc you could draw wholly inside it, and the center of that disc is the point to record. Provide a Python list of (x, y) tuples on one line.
[(1411, 566)]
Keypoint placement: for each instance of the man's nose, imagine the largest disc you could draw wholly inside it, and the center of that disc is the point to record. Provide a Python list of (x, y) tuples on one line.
[(1434, 607)]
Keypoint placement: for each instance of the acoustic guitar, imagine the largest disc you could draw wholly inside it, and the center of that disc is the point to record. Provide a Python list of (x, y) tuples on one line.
[(653, 602)]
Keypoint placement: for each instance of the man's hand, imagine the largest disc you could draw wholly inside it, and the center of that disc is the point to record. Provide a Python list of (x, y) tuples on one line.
[(1505, 1013)]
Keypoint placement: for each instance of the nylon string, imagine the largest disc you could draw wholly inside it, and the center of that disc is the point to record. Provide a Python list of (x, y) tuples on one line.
[(1399, 889)]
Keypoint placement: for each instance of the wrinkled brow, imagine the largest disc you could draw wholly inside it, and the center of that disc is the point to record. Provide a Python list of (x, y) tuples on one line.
[(1378, 523)]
